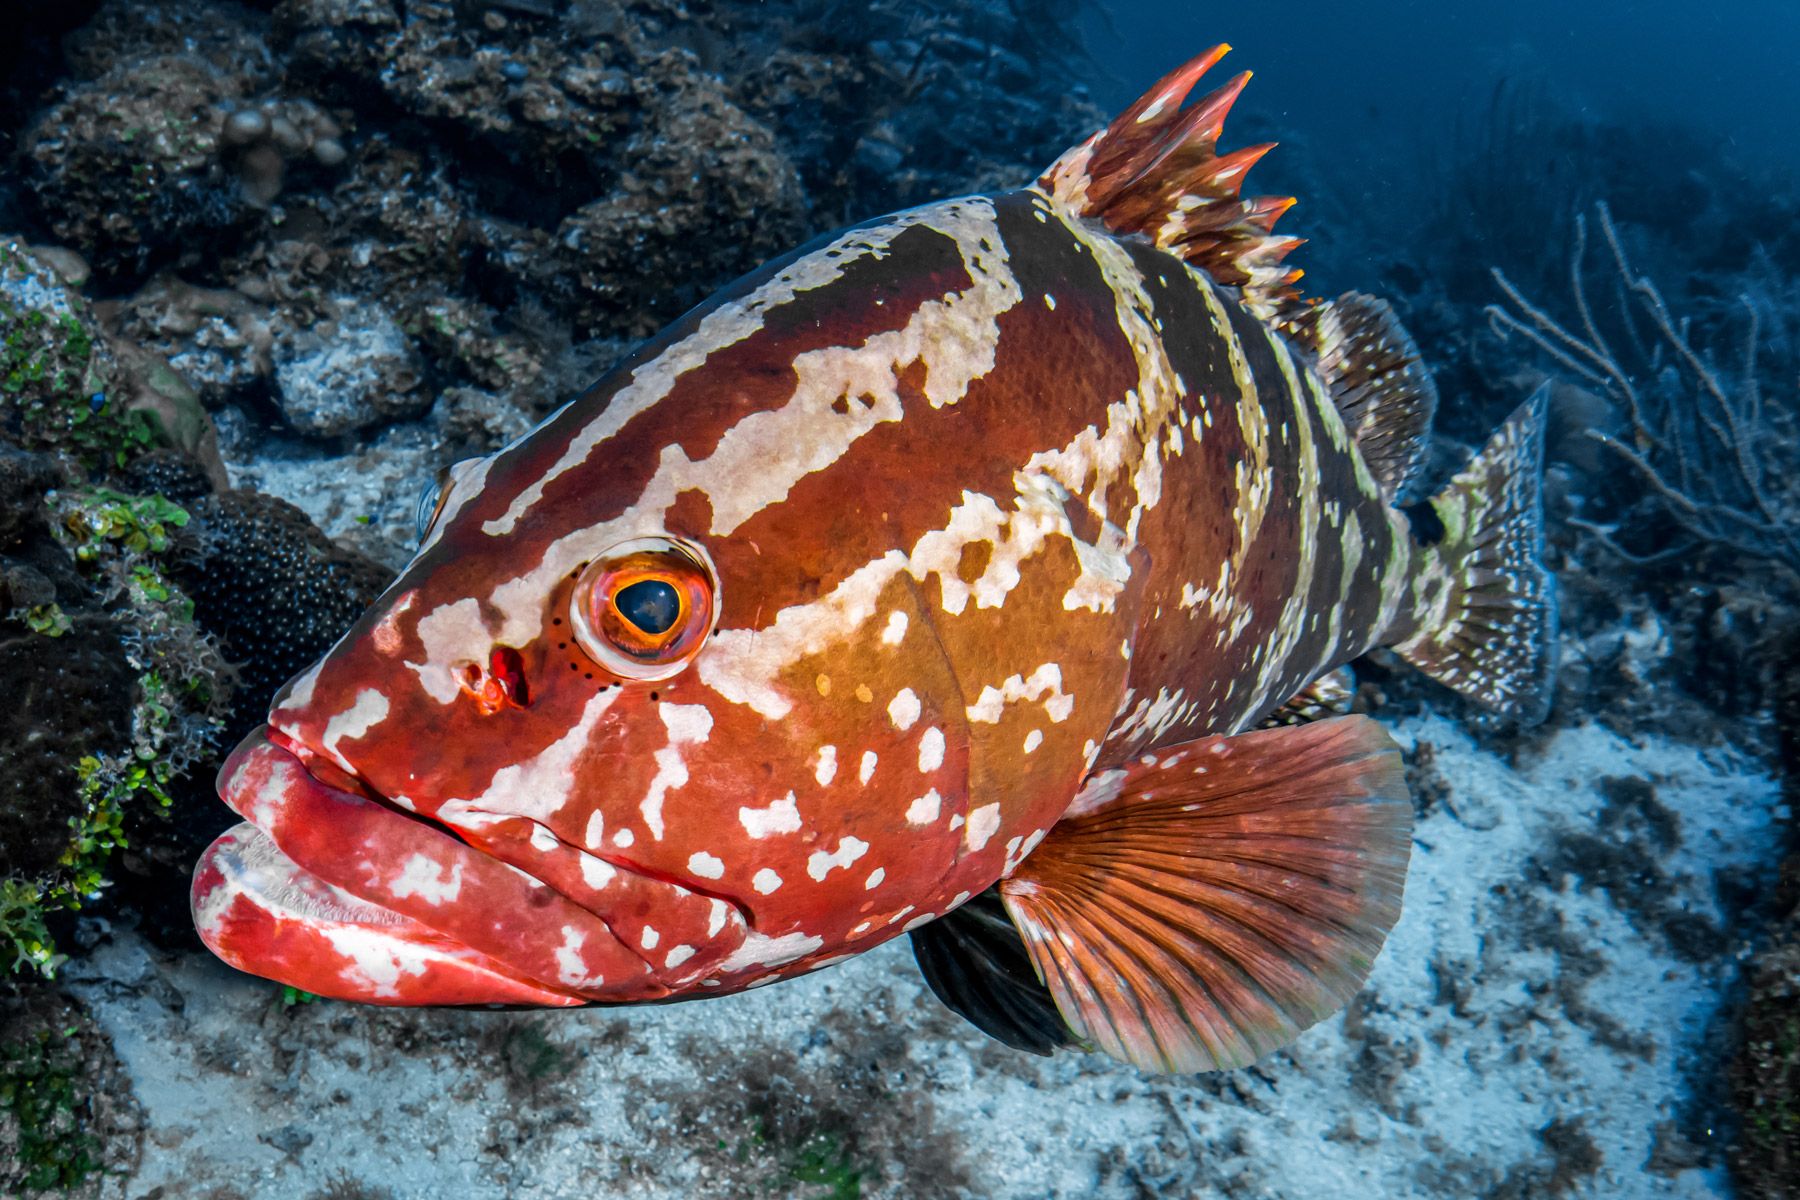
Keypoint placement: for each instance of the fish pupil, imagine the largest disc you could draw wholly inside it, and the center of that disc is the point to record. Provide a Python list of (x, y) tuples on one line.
[(650, 604)]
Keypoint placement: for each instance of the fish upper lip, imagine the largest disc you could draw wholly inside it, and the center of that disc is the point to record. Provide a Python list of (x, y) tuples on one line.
[(336, 828), (317, 765), (332, 773)]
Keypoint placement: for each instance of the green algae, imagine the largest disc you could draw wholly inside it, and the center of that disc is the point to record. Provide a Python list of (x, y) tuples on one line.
[(59, 388), (120, 542), (40, 1089)]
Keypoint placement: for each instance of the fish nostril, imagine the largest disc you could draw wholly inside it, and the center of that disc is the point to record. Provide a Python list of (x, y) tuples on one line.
[(507, 668), (501, 684)]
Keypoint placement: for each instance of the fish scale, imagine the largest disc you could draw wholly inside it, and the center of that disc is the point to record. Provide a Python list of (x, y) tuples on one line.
[(988, 528)]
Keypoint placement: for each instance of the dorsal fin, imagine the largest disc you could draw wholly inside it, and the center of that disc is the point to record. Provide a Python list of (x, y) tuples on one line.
[(1155, 171), (1378, 382)]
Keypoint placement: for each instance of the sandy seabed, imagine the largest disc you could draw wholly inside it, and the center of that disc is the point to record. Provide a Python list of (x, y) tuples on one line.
[(1535, 1027)]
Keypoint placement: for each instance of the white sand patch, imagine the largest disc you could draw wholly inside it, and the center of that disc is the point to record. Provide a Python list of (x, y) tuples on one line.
[(1476, 1033)]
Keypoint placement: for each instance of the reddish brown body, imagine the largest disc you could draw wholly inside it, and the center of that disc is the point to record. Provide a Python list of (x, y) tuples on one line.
[(991, 502)]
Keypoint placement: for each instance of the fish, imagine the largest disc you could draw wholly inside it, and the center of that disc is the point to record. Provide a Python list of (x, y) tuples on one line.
[(987, 573)]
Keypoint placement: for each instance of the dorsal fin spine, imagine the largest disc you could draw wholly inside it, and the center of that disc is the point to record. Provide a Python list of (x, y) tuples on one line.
[(1155, 171)]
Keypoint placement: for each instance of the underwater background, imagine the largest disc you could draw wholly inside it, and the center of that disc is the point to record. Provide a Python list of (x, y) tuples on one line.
[(265, 268)]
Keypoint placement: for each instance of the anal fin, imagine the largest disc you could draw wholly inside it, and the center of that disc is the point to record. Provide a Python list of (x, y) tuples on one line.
[(1230, 893), (973, 960)]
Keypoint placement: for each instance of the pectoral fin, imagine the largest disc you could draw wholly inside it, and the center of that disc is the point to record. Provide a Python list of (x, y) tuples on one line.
[(1223, 896)]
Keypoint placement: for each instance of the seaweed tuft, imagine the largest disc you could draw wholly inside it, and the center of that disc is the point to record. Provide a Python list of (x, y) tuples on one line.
[(67, 1117), (137, 627)]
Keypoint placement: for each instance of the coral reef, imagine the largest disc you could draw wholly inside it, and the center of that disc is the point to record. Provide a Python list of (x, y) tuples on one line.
[(120, 691), (274, 263), (1765, 1075), (113, 716), (271, 593), (1674, 455), (270, 588), (390, 206), (1708, 451), (362, 243), (316, 247), (66, 1107)]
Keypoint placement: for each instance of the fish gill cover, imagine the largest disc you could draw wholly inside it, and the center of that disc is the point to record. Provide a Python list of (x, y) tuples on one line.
[(271, 267)]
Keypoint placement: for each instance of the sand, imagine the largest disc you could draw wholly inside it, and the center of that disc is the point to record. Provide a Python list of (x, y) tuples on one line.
[(1537, 1025)]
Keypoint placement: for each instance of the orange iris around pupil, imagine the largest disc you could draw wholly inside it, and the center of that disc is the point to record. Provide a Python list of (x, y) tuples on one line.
[(692, 599)]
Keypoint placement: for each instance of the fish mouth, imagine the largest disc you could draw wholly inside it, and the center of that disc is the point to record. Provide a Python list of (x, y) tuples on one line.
[(328, 888)]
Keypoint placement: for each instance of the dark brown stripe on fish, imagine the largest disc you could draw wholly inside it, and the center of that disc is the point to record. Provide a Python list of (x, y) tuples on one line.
[(905, 485)]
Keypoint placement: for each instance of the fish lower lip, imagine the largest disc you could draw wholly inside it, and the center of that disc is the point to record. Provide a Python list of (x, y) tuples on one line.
[(339, 894), (263, 913)]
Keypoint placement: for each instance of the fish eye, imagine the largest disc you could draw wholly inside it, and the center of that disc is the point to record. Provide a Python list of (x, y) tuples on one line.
[(434, 496), (644, 608), (431, 501)]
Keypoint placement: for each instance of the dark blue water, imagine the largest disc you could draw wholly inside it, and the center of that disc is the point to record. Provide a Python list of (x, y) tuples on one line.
[(1366, 78), (1377, 105)]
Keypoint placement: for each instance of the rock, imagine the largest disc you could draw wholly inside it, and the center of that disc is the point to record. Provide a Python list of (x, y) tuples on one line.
[(708, 194), (66, 385), (289, 1139), (349, 372), (170, 473), (127, 164), (69, 266), (221, 36), (477, 422), (73, 696), (24, 586), (69, 1113), (1766, 1075), (261, 141), (466, 337), (24, 478), (59, 380), (217, 338), (497, 181), (336, 39), (165, 134), (160, 393), (364, 496)]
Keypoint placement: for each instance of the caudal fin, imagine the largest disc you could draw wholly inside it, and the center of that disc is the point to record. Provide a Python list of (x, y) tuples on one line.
[(1484, 606)]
